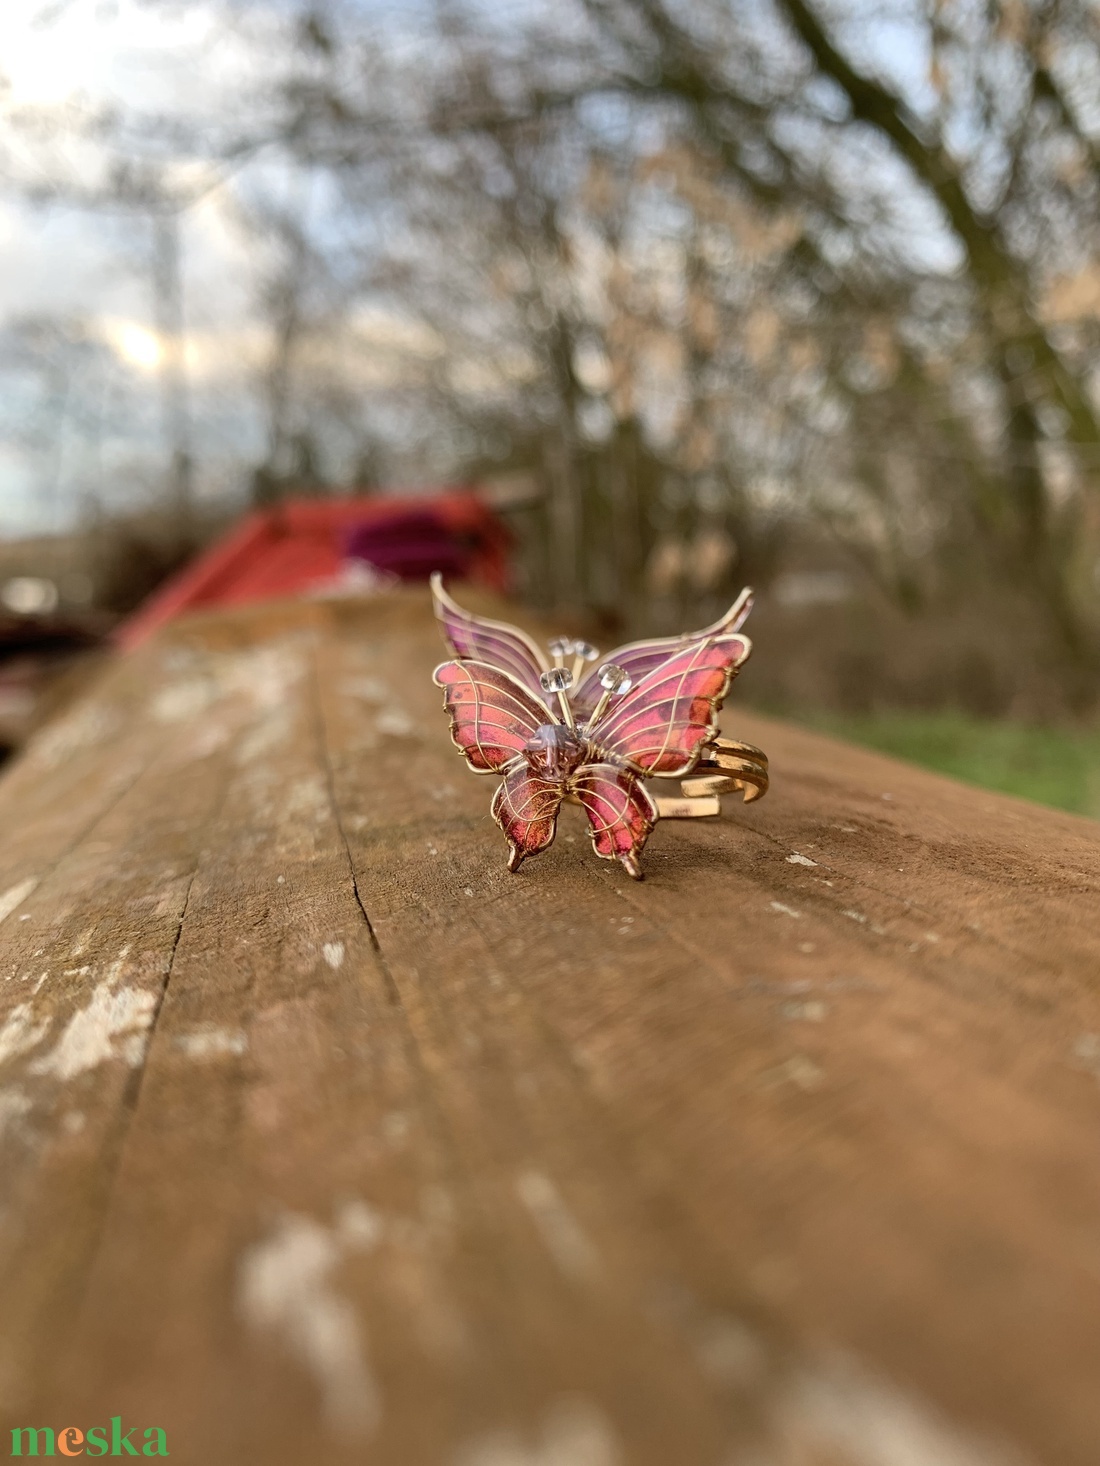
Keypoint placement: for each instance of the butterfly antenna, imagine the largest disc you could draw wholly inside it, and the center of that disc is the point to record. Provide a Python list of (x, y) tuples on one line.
[(583, 651), (560, 680), (614, 681), (560, 648)]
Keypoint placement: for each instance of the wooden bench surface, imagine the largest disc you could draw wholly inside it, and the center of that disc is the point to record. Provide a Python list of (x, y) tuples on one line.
[(324, 1138)]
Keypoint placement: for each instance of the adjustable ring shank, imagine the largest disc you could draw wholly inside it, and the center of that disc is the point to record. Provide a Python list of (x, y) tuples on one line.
[(687, 809), (727, 767)]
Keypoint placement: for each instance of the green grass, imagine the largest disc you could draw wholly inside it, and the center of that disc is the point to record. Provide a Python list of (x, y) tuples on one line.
[(1055, 766)]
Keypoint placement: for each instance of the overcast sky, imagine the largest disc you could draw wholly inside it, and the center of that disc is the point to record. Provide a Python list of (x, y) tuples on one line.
[(94, 271)]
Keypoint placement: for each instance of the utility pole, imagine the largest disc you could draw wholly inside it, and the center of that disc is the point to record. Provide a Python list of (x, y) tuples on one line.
[(175, 398)]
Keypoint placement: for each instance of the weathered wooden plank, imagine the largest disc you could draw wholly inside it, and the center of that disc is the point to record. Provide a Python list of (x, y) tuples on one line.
[(85, 959), (786, 1155)]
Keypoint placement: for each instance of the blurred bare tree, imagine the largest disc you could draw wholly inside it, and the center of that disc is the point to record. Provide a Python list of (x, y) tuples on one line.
[(751, 289)]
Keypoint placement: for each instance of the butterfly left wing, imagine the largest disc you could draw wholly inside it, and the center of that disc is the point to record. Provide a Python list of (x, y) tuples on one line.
[(477, 639), (661, 726), (620, 813), (638, 658), (492, 715), (526, 809)]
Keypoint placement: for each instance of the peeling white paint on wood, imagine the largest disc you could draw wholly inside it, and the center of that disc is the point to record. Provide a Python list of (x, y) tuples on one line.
[(574, 1432), (370, 689), (264, 676), (21, 1032), (80, 946), (359, 1226), (87, 725), (182, 701), (14, 896), (210, 739), (270, 735), (730, 1352), (307, 797), (118, 966), (285, 1288), (795, 859), (113, 1025), (210, 1042), (267, 674), (395, 723), (839, 1411), (813, 1011), (333, 953), (14, 1104), (562, 1233), (799, 1070)]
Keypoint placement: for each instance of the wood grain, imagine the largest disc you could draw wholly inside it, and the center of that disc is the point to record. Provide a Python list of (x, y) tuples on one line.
[(324, 1138)]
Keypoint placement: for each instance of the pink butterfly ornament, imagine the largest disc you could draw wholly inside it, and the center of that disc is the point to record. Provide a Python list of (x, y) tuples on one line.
[(649, 711)]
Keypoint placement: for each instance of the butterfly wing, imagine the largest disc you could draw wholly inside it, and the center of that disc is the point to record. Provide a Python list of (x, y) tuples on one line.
[(475, 638), (492, 714), (620, 813), (526, 809), (641, 657), (661, 726)]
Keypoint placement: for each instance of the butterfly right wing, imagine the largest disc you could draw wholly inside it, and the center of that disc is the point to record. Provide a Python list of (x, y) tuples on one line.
[(475, 638), (492, 714), (663, 724), (621, 813), (638, 658)]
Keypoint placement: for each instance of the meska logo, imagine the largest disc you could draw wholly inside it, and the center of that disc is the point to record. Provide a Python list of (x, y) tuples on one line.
[(74, 1442)]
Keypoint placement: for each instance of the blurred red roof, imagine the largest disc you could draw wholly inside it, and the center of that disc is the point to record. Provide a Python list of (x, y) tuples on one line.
[(302, 545)]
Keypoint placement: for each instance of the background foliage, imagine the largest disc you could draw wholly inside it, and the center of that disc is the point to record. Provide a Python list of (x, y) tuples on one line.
[(802, 292)]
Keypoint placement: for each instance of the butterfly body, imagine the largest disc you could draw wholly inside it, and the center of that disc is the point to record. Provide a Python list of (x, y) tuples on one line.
[(499, 693), (554, 752)]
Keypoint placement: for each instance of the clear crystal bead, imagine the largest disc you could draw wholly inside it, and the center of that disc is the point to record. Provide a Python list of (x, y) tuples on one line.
[(558, 679), (561, 646), (613, 679), (585, 650)]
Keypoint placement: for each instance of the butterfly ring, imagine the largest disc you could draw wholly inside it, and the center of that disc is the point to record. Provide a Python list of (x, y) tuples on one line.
[(590, 733)]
